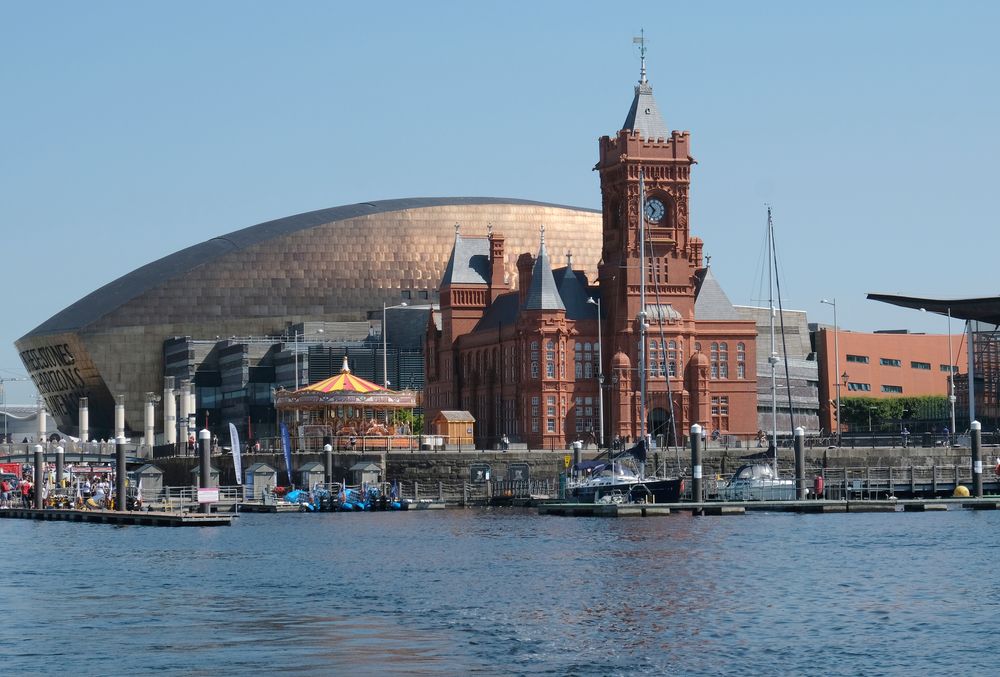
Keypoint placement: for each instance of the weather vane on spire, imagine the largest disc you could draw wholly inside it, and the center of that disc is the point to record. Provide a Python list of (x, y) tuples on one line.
[(542, 231), (641, 41), (457, 228)]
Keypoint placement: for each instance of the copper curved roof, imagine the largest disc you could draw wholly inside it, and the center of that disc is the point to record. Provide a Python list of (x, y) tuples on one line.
[(112, 296)]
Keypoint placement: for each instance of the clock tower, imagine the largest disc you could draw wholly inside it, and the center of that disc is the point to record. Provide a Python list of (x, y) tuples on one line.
[(648, 251)]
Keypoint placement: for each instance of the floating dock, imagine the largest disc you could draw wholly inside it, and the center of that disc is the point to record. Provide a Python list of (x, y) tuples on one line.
[(136, 518), (742, 507), (604, 510)]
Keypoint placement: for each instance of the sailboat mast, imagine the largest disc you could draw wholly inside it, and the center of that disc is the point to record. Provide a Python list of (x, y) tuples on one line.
[(642, 304), (773, 358)]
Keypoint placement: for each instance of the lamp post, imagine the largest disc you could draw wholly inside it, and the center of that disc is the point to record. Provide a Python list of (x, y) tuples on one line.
[(600, 373), (385, 345), (296, 344), (836, 357), (951, 375)]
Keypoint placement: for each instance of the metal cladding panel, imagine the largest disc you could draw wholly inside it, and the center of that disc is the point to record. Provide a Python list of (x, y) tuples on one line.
[(331, 265), (390, 236)]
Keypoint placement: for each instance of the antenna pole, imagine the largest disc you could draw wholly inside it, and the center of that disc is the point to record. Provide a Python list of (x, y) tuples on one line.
[(773, 358), (642, 304), (641, 41)]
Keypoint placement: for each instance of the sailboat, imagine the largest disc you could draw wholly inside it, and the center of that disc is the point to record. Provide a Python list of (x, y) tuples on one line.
[(762, 481), (621, 478)]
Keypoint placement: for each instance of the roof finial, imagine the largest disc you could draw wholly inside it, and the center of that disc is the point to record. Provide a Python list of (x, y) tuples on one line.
[(708, 261), (489, 228), (345, 369), (569, 259), (641, 41), (542, 231), (457, 227)]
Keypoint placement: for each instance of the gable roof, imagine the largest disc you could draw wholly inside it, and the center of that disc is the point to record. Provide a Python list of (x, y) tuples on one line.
[(457, 416), (710, 302), (574, 293)]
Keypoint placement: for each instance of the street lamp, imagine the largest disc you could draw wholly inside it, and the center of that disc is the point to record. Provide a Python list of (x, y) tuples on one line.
[(951, 375), (385, 345), (600, 373), (836, 357)]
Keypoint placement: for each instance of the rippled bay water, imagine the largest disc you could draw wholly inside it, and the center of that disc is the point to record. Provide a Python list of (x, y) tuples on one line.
[(505, 592)]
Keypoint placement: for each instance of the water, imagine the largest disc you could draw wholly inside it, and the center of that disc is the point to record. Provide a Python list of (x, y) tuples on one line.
[(505, 592)]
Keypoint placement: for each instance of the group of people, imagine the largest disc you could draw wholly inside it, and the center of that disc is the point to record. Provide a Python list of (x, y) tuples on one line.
[(17, 492)]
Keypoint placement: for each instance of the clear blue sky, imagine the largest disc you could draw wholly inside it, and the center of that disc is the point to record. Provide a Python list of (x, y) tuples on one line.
[(133, 129)]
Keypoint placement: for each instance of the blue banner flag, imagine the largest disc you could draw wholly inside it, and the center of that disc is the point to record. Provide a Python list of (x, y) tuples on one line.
[(286, 444)]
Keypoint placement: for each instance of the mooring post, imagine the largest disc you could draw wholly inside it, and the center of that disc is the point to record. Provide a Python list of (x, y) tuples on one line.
[(39, 474), (696, 463), (60, 464), (800, 463), (977, 461), (205, 474), (328, 450), (440, 490), (121, 473)]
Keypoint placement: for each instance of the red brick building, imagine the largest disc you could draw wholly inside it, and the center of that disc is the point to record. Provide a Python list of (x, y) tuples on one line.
[(526, 362), (884, 364)]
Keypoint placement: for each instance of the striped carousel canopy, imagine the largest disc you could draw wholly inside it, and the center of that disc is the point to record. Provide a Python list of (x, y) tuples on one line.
[(344, 389), (344, 382)]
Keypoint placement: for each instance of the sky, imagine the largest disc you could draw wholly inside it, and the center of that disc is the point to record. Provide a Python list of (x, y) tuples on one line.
[(132, 130)]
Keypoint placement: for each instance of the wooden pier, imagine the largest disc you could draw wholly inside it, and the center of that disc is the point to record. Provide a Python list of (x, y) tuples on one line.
[(136, 518)]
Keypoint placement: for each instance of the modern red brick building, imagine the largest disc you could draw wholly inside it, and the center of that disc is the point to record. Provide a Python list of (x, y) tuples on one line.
[(526, 363), (883, 364)]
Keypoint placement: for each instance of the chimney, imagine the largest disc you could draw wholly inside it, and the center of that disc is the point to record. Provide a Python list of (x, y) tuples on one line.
[(497, 284), (525, 262)]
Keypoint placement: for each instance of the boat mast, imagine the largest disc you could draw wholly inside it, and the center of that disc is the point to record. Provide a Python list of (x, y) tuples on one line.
[(642, 304), (773, 358)]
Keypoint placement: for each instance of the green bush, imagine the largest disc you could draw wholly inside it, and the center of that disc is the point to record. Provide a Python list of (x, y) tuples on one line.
[(855, 410)]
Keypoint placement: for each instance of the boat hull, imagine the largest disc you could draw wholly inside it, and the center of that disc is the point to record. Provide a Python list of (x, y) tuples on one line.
[(649, 491)]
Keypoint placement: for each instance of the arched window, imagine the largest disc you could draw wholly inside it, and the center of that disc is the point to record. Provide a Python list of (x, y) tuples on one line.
[(672, 358), (741, 358), (550, 359), (533, 353), (723, 360)]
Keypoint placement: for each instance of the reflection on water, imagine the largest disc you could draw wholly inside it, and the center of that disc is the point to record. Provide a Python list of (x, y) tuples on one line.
[(504, 592)]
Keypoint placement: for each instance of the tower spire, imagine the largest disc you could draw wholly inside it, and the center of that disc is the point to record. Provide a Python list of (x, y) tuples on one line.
[(641, 41)]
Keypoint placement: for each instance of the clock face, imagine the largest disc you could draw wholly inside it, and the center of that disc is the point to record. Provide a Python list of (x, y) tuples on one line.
[(654, 210)]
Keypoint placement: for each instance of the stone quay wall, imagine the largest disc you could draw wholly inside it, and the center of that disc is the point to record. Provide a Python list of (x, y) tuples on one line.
[(451, 468), (426, 468)]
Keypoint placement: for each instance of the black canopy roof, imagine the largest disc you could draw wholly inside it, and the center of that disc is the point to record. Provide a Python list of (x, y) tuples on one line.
[(985, 309)]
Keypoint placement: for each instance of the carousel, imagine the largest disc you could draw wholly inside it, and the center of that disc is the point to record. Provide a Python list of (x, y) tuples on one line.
[(347, 412)]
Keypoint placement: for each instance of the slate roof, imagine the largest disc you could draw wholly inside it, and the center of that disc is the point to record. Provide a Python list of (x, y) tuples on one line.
[(542, 292), (710, 302), (644, 115), (502, 311), (469, 262), (574, 293)]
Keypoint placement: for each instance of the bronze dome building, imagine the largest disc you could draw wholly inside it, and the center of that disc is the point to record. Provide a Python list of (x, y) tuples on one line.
[(331, 265)]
